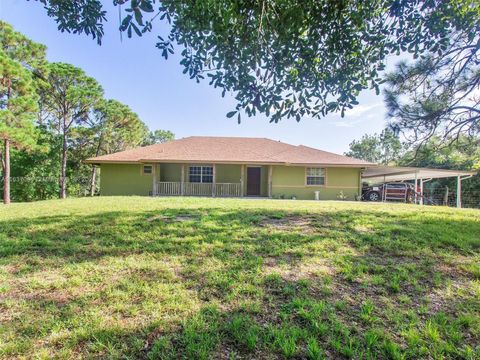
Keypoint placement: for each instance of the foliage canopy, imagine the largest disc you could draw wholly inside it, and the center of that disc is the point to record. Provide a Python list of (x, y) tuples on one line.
[(383, 148), (295, 58)]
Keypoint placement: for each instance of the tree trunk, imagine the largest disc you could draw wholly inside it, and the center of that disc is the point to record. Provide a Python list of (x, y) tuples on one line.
[(6, 172), (93, 180), (63, 170), (6, 159)]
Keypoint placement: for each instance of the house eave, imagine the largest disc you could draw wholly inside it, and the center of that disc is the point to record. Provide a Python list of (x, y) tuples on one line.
[(242, 162)]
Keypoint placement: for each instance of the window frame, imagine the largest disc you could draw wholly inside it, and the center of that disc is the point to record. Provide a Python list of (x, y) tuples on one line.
[(201, 174), (323, 169), (142, 170)]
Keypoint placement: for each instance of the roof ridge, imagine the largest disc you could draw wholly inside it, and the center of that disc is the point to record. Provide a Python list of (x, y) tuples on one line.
[(224, 137), (329, 152), (138, 148), (254, 152)]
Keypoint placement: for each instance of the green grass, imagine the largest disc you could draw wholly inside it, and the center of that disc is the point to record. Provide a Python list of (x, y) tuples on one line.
[(132, 277)]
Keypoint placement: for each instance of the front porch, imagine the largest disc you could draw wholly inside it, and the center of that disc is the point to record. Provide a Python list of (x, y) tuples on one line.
[(170, 188), (215, 180)]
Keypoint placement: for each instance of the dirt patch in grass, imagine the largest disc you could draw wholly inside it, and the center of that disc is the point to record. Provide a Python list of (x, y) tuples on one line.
[(159, 217), (293, 270), (178, 218), (303, 223)]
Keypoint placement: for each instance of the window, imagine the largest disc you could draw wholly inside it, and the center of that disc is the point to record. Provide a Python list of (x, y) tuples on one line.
[(147, 169), (315, 176), (200, 174)]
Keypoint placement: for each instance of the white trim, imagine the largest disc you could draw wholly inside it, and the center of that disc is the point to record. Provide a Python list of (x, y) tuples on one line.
[(142, 169), (324, 176), (201, 173)]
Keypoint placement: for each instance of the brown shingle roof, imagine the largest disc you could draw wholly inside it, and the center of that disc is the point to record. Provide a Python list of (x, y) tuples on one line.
[(230, 150)]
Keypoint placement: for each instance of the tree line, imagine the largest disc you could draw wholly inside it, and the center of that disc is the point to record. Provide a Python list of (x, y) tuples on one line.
[(52, 117), (461, 152)]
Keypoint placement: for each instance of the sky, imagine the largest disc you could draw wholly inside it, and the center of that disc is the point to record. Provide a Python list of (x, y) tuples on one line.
[(132, 71)]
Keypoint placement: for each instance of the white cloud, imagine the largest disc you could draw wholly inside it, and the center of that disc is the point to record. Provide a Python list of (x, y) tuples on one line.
[(359, 110), (357, 115)]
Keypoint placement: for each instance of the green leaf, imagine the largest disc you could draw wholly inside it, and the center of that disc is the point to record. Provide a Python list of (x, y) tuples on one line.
[(138, 16)]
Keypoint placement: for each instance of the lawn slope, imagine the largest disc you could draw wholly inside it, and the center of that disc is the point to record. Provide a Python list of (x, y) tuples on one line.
[(133, 277)]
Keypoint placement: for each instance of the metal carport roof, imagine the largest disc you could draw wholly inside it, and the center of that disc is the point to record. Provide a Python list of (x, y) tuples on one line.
[(420, 175), (397, 173)]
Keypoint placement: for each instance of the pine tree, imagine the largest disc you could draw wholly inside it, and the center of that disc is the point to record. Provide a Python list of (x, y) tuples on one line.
[(68, 96), (115, 128), (20, 60)]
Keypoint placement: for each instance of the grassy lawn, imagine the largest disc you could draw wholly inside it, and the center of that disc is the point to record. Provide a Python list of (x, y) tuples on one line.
[(133, 277)]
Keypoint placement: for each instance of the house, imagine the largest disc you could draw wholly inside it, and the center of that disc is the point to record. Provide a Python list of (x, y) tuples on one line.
[(230, 167)]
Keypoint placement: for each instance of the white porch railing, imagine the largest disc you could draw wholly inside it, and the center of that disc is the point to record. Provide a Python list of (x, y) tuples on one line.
[(228, 189), (172, 188), (167, 188), (198, 189)]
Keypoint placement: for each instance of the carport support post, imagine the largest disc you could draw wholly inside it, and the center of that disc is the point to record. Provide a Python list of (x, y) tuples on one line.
[(459, 191), (421, 191), (416, 184)]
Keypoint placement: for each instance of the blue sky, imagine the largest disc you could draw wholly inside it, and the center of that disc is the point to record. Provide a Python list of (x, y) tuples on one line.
[(133, 72)]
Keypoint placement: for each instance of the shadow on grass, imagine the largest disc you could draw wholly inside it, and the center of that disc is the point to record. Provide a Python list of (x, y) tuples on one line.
[(214, 282), (117, 233)]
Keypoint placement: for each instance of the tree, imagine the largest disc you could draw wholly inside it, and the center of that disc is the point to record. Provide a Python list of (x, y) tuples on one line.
[(17, 109), (115, 127), (158, 137), (384, 148), (38, 169), (287, 59), (19, 58), (67, 96), (77, 16), (439, 93), (461, 154)]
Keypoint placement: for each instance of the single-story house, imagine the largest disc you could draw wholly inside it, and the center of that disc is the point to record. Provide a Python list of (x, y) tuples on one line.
[(230, 167)]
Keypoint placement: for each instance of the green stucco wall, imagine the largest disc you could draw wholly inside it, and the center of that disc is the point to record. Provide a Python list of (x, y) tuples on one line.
[(224, 173), (228, 173), (289, 181), (264, 181), (124, 179), (171, 172)]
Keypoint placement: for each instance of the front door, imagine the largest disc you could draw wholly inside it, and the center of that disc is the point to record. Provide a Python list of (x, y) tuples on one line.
[(253, 181)]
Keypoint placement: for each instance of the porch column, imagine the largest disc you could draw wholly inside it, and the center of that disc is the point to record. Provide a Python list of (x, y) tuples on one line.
[(154, 180), (214, 183), (182, 181), (270, 169), (459, 191), (242, 181)]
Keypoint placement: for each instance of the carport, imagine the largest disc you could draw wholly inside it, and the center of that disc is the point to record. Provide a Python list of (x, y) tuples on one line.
[(382, 174)]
